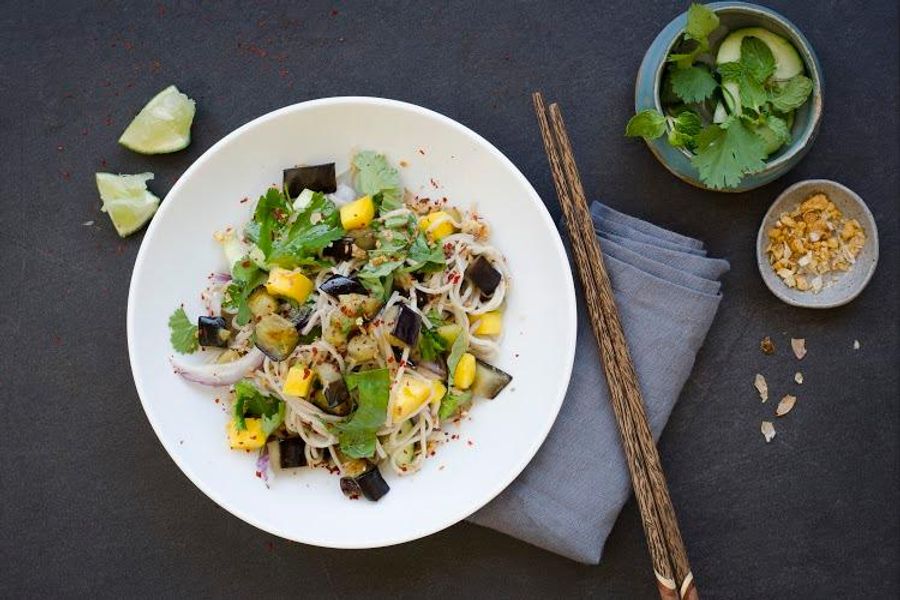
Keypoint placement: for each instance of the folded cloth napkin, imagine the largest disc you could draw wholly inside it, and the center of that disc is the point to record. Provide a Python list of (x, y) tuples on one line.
[(667, 292)]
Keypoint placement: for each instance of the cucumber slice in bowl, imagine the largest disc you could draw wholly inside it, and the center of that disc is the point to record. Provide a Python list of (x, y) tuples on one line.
[(163, 125), (127, 200), (787, 61)]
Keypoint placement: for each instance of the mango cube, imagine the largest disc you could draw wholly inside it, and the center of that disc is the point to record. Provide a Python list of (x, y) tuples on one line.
[(436, 225), (412, 394), (298, 381), (490, 323), (251, 438), (289, 284), (464, 374), (358, 213)]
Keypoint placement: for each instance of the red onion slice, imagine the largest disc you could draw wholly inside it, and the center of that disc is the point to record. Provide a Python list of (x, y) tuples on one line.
[(217, 375)]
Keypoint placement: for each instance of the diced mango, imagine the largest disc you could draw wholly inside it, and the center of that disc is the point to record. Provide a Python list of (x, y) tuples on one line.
[(464, 374), (490, 323), (298, 381), (412, 393), (358, 213), (250, 438), (438, 391), (289, 284), (449, 332), (437, 225)]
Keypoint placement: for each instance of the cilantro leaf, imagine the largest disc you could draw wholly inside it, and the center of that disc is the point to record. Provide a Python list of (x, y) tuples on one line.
[(249, 401), (270, 210), (757, 59), (686, 125), (452, 402), (375, 175), (357, 434), (648, 124), (246, 276), (726, 155), (431, 345), (182, 333), (701, 22), (694, 84), (791, 94), (306, 233)]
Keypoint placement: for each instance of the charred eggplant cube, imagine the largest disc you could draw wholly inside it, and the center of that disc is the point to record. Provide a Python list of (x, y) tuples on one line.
[(340, 285), (287, 453), (339, 250), (489, 380), (483, 275), (276, 336), (213, 331), (407, 324), (318, 178), (369, 483)]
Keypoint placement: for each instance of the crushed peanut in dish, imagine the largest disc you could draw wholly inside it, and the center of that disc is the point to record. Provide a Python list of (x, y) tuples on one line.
[(812, 244)]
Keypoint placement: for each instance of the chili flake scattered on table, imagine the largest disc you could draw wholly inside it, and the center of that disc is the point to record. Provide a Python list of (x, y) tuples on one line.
[(813, 241)]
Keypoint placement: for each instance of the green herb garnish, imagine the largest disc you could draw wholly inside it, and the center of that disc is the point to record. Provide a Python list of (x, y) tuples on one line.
[(183, 333), (357, 434)]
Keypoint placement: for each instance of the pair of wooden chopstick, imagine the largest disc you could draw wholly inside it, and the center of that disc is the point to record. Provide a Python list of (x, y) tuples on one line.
[(670, 563)]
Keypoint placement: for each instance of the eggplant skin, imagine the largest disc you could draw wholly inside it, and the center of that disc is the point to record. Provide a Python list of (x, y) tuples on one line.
[(350, 488), (318, 178), (407, 325), (489, 380), (213, 331), (340, 285), (372, 484), (339, 250), (291, 453), (483, 275)]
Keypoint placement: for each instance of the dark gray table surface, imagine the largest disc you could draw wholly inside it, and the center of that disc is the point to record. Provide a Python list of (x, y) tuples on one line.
[(93, 507)]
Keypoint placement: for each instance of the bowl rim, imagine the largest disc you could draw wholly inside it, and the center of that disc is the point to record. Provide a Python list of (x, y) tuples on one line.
[(798, 147), (763, 264), (568, 296)]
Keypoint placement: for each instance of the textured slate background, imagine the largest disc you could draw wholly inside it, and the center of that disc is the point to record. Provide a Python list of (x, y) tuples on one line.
[(92, 506)]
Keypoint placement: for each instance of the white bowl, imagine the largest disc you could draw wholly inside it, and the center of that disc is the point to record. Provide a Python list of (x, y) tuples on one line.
[(846, 286), (178, 253)]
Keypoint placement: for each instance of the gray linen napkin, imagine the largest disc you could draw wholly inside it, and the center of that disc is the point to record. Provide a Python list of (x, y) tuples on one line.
[(667, 291)]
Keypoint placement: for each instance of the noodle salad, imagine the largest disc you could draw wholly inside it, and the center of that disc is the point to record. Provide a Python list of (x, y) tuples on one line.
[(355, 320)]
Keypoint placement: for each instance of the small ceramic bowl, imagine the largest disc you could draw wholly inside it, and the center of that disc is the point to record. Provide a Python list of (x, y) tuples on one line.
[(847, 285), (732, 15)]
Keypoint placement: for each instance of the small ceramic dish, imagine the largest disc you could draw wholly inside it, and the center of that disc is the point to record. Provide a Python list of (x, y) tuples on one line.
[(846, 286), (732, 15)]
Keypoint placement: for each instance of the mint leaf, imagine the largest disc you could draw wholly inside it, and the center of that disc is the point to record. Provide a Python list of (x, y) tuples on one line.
[(779, 127), (791, 94), (182, 333), (648, 124), (686, 125), (425, 258), (757, 59), (694, 84), (701, 22), (431, 345), (307, 233), (752, 93), (249, 401), (375, 175), (726, 155), (460, 345), (379, 279), (452, 402), (246, 276), (357, 434)]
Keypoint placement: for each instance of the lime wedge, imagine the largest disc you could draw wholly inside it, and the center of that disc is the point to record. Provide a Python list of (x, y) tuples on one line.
[(163, 125), (127, 200)]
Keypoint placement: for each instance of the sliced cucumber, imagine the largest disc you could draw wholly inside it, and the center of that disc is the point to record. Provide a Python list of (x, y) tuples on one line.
[(732, 94), (787, 61)]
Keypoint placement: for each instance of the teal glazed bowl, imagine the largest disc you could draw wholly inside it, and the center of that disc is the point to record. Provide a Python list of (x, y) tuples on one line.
[(732, 15)]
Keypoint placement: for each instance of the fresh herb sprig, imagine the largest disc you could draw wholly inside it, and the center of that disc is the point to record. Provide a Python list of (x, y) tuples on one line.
[(731, 117)]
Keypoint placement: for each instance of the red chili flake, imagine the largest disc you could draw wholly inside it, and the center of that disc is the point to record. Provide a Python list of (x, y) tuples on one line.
[(517, 355), (217, 400), (57, 341), (390, 359), (469, 443), (441, 468), (258, 474), (422, 152), (244, 199), (334, 12), (245, 264), (283, 73), (66, 175), (434, 183), (108, 120), (103, 162), (402, 363), (354, 496), (315, 350)]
